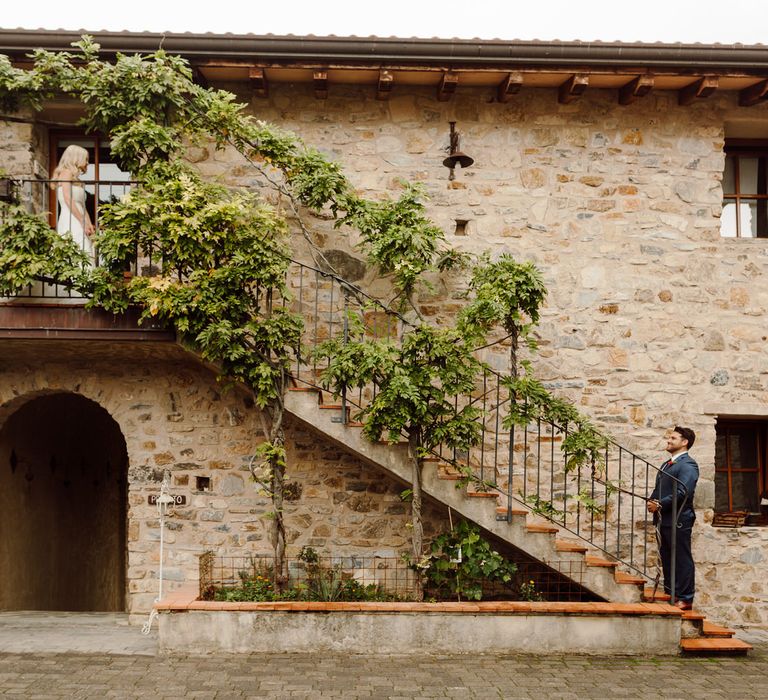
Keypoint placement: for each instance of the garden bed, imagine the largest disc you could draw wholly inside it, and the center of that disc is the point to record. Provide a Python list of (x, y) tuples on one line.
[(192, 626)]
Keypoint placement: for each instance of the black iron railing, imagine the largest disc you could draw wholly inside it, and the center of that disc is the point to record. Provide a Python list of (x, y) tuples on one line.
[(365, 578), (603, 502)]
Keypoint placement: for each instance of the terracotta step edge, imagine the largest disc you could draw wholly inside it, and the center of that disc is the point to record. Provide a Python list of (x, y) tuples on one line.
[(629, 579), (709, 629), (693, 615), (599, 561), (714, 644), (502, 510), (533, 527), (566, 546)]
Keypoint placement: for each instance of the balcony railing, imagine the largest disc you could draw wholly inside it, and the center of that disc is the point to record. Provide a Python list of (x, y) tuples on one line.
[(72, 208)]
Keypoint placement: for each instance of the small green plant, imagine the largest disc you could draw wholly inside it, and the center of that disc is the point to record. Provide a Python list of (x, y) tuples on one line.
[(543, 507), (460, 561), (527, 591)]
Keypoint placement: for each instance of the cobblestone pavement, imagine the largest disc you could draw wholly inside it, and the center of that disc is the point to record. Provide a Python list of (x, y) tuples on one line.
[(32, 676), (127, 667)]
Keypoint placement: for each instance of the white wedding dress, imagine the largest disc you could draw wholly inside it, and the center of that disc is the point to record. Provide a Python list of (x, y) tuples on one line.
[(67, 223)]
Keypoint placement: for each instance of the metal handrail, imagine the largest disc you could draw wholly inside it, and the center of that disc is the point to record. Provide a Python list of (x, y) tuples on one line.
[(607, 519)]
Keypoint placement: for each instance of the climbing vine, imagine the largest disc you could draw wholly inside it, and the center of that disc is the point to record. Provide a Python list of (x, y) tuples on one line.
[(218, 260)]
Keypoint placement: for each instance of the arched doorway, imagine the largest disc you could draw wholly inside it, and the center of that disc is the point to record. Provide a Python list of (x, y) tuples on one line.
[(63, 463)]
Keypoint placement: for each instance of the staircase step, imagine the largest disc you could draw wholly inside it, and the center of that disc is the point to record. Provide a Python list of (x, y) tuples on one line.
[(566, 546), (502, 510), (707, 645), (304, 388), (711, 630), (449, 473), (659, 596), (482, 494), (330, 406), (693, 615), (622, 577), (355, 424), (599, 561), (542, 528)]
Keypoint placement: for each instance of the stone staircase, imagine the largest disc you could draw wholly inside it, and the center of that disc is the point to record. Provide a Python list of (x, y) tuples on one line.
[(524, 530)]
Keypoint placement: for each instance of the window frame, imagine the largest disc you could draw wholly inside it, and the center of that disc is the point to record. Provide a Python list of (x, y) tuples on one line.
[(746, 148), (722, 428), (55, 137)]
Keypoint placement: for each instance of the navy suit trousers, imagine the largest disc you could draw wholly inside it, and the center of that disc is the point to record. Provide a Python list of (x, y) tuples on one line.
[(685, 574)]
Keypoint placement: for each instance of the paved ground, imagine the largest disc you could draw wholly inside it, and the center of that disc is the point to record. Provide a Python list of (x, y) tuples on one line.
[(50, 632), (116, 661)]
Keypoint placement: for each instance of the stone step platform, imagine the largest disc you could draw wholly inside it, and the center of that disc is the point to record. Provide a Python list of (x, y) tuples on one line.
[(715, 646), (658, 597), (400, 627), (704, 638), (712, 630)]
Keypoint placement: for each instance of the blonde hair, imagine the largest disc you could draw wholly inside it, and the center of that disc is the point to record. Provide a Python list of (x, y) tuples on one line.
[(73, 161)]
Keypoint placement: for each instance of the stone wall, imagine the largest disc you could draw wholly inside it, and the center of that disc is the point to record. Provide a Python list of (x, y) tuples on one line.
[(174, 416), (23, 148), (652, 318)]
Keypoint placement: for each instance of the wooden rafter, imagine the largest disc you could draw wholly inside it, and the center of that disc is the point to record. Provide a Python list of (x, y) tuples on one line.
[(753, 94), (638, 87), (448, 83), (198, 78), (699, 89), (259, 83), (320, 80), (509, 86), (386, 81), (572, 88)]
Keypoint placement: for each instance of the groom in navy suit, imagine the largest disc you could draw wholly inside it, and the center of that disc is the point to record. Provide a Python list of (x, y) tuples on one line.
[(685, 471)]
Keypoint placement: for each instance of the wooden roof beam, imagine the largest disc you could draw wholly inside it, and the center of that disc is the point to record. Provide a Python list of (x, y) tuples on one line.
[(753, 94), (386, 81), (448, 84), (320, 80), (509, 86), (572, 88), (259, 83), (700, 89), (639, 87), (198, 78)]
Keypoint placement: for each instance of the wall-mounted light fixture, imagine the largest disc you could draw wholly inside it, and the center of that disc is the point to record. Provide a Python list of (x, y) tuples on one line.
[(455, 156)]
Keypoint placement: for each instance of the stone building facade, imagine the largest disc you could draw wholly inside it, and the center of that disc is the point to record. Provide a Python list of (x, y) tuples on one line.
[(653, 318), (169, 414)]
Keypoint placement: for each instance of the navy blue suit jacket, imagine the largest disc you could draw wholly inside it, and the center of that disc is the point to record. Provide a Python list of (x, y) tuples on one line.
[(686, 471)]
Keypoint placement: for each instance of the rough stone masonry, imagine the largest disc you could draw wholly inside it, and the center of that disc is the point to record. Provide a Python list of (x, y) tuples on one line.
[(652, 317)]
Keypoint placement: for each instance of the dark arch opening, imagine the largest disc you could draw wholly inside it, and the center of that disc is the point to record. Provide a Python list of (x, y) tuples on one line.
[(63, 464)]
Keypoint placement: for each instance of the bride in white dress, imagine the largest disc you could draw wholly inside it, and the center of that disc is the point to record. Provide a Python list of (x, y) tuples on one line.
[(73, 219)]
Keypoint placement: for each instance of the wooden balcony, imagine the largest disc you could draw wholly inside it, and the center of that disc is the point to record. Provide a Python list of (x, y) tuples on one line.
[(24, 321)]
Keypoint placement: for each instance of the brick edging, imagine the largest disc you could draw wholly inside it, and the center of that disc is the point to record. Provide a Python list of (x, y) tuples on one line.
[(185, 601)]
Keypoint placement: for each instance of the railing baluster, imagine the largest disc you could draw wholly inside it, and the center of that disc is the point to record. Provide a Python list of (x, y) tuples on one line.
[(605, 506), (565, 476), (482, 432), (525, 452), (618, 510)]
